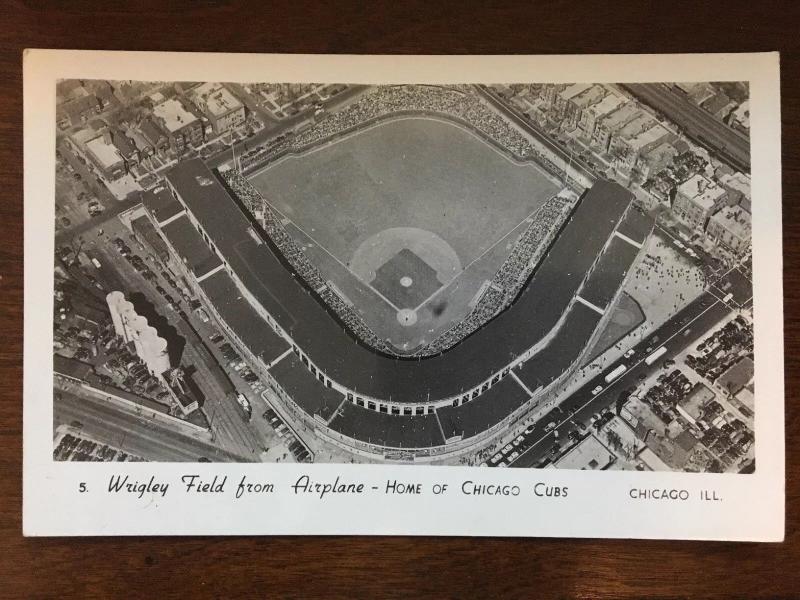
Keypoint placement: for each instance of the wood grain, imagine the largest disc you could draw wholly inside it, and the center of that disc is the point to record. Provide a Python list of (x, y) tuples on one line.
[(385, 567)]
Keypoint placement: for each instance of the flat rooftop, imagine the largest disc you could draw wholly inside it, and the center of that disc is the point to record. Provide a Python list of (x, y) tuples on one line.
[(161, 204), (701, 190), (174, 115), (106, 153), (215, 99), (190, 246), (305, 389)]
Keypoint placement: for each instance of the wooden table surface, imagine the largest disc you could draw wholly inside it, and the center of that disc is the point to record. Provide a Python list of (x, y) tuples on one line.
[(385, 567)]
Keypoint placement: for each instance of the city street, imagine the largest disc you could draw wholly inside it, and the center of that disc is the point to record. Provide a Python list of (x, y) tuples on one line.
[(680, 331), (285, 125), (731, 145), (136, 434)]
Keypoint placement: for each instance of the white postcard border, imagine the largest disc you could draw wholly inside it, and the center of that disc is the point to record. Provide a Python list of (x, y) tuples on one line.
[(752, 506)]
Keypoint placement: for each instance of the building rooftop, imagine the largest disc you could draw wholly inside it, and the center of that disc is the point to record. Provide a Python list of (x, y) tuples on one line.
[(142, 226), (636, 126), (608, 104), (573, 90), (161, 204), (589, 96), (174, 115), (151, 131), (589, 455), (616, 119), (215, 99), (190, 246), (305, 389), (701, 190), (71, 367), (123, 143), (736, 220), (105, 152), (653, 135)]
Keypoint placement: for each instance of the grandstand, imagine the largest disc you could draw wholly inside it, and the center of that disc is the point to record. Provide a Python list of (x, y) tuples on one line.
[(529, 328)]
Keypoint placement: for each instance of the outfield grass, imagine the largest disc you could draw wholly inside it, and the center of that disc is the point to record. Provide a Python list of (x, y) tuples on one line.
[(415, 172)]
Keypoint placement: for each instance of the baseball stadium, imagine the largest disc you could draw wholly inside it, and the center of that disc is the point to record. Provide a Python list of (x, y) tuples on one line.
[(393, 319)]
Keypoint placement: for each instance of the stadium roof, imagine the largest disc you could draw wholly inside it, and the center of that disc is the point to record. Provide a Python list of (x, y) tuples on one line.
[(190, 246), (346, 360), (305, 389), (161, 204), (383, 429), (485, 411), (240, 316)]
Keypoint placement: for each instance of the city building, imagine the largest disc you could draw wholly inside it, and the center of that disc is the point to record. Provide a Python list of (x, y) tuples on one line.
[(134, 328), (106, 156), (155, 136), (656, 159), (635, 139), (592, 114), (610, 123), (731, 227), (739, 119), (574, 106), (590, 454), (222, 108), (78, 109), (182, 127), (697, 199)]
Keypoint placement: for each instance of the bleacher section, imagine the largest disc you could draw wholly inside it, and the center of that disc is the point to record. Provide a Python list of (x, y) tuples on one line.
[(305, 389), (636, 225), (485, 411), (382, 429), (609, 272), (353, 365), (558, 355)]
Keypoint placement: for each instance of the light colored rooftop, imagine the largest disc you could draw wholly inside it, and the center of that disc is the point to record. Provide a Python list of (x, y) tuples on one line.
[(737, 181), (736, 220), (175, 116), (634, 127), (574, 89), (742, 113), (105, 152), (608, 104), (589, 455), (701, 190), (648, 136), (589, 96), (215, 99), (616, 119)]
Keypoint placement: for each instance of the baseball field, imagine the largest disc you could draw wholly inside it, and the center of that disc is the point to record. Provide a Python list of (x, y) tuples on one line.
[(408, 218)]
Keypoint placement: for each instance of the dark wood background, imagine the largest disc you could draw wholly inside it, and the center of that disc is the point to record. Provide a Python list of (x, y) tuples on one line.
[(386, 567)]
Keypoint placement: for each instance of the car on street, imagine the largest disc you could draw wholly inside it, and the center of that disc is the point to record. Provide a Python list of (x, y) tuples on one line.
[(550, 426), (597, 390)]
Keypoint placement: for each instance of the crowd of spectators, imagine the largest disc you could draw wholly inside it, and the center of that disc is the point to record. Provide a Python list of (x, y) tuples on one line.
[(301, 264), (528, 249), (511, 276), (459, 102)]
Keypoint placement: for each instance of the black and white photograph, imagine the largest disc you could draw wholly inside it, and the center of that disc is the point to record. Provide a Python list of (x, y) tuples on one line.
[(403, 295), (519, 275)]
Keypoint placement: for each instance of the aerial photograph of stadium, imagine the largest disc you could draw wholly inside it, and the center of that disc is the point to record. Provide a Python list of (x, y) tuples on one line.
[(540, 275)]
